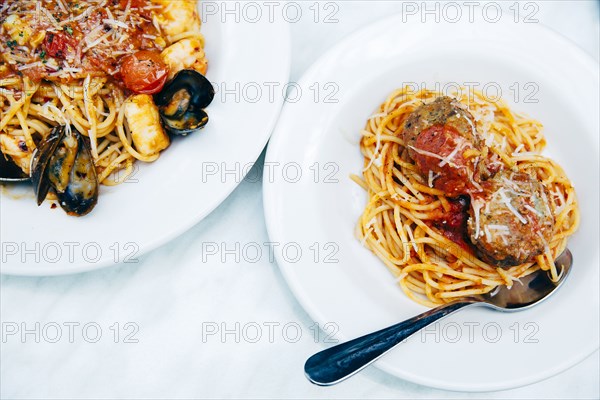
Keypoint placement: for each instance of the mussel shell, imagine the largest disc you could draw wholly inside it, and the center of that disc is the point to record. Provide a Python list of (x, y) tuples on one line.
[(81, 194), (64, 163), (200, 89), (187, 124), (41, 159), (182, 100)]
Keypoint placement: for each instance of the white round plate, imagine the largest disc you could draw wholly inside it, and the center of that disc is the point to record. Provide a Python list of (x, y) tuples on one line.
[(165, 198), (342, 283)]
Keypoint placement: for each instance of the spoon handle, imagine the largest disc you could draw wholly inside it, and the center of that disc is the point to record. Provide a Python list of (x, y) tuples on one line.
[(337, 363)]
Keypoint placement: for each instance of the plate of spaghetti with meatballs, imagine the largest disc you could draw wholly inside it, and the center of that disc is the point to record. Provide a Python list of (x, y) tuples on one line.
[(455, 160), (461, 200), (115, 127)]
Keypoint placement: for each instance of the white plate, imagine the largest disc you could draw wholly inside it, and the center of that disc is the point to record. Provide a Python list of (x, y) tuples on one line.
[(475, 350), (191, 178)]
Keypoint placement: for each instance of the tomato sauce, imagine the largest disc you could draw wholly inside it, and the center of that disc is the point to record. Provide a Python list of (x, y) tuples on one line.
[(453, 223), (444, 141), (58, 45), (88, 40)]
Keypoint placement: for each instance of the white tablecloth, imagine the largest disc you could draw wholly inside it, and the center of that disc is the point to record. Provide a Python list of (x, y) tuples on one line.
[(173, 326)]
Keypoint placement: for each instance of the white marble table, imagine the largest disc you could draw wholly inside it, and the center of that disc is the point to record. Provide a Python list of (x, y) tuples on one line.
[(173, 326)]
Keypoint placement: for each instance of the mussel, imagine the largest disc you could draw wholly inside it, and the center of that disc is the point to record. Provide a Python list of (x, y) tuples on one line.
[(182, 101), (63, 162)]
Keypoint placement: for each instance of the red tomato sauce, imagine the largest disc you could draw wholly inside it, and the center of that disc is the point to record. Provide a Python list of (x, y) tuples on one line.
[(453, 223), (87, 40)]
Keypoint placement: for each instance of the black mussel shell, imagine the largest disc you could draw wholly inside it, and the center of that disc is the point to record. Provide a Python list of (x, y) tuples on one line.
[(41, 159), (187, 123), (58, 170), (80, 195), (182, 101), (64, 163)]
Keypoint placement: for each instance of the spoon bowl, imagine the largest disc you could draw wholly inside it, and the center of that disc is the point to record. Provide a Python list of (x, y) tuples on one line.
[(532, 289), (338, 363)]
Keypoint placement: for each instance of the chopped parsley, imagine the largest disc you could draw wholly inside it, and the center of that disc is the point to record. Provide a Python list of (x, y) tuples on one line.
[(11, 43), (69, 30), (43, 54)]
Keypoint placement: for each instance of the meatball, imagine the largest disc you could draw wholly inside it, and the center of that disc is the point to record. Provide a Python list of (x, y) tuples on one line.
[(442, 111), (510, 222), (438, 153), (436, 136)]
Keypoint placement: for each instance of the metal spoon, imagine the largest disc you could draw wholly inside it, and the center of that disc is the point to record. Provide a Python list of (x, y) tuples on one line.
[(337, 363), (10, 172)]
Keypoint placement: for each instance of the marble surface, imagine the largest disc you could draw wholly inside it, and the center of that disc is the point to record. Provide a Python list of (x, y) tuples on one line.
[(175, 325)]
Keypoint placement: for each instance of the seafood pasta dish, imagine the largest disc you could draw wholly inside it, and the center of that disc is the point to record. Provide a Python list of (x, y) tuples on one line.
[(89, 87), (460, 199)]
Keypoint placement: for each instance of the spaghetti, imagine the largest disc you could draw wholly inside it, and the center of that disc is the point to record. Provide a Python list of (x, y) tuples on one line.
[(63, 64), (433, 267)]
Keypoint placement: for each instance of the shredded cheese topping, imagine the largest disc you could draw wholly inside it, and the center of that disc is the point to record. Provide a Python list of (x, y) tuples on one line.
[(510, 207)]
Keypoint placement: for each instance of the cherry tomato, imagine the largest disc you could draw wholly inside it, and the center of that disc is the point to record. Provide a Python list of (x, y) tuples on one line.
[(144, 72)]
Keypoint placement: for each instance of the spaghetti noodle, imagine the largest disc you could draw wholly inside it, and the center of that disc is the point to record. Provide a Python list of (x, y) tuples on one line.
[(431, 266), (63, 64)]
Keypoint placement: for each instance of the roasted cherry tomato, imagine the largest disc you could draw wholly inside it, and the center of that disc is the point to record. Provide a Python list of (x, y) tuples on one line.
[(144, 72)]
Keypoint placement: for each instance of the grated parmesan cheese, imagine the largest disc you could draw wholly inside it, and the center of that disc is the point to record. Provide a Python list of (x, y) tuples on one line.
[(114, 22), (498, 227), (476, 210), (510, 207), (545, 201), (533, 210), (488, 235), (30, 65), (430, 154), (412, 238), (519, 148), (452, 154)]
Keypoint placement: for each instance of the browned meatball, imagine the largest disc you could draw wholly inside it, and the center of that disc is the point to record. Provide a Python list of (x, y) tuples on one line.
[(437, 135), (510, 222), (444, 111)]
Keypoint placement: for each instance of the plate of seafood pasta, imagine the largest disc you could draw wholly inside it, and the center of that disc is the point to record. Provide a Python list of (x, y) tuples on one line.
[(119, 121), (453, 161)]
